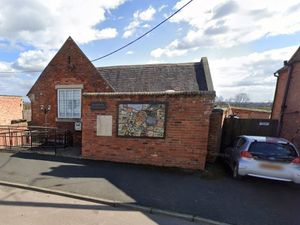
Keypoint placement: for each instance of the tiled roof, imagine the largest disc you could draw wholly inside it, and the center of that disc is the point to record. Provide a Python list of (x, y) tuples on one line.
[(159, 77)]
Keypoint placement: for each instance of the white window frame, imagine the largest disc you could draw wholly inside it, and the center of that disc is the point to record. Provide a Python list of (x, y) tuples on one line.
[(58, 103)]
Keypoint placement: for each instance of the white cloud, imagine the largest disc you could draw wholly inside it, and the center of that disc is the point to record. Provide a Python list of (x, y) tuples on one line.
[(145, 15), (5, 67), (129, 53), (162, 8), (106, 33), (127, 33), (170, 51), (251, 74), (131, 28), (146, 25), (16, 84), (139, 17), (12, 83), (33, 60), (224, 24), (46, 24)]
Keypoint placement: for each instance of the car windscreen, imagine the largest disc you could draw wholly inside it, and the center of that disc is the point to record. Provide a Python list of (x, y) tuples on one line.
[(277, 150)]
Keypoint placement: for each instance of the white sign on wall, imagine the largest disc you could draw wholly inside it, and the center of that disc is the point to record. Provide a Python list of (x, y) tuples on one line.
[(78, 126), (264, 123), (104, 125)]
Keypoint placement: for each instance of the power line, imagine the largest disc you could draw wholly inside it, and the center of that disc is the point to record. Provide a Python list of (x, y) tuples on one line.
[(143, 35)]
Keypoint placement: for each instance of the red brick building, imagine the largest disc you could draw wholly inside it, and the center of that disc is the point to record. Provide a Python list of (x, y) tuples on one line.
[(11, 108), (286, 106), (150, 114), (248, 113)]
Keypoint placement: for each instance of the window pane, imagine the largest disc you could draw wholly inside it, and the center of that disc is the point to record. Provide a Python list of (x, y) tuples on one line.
[(69, 109), (69, 103), (76, 94), (76, 104), (273, 149), (62, 104)]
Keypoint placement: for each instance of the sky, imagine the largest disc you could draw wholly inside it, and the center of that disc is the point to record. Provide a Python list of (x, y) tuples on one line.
[(246, 41)]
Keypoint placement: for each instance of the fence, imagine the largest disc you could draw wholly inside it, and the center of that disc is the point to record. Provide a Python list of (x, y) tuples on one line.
[(30, 137), (234, 127)]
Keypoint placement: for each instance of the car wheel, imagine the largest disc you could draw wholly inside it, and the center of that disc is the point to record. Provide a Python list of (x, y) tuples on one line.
[(235, 172)]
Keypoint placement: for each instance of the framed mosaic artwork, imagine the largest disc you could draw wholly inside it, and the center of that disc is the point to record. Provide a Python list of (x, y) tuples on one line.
[(141, 119)]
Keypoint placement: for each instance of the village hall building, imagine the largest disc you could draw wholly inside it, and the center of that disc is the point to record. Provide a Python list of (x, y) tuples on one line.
[(154, 114)]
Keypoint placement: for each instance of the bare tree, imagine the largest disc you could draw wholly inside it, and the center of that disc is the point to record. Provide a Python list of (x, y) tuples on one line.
[(241, 98)]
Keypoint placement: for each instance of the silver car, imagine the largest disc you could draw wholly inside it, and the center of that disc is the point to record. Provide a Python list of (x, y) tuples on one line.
[(264, 157)]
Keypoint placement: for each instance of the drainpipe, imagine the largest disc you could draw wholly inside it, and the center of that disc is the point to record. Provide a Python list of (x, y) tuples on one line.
[(283, 105), (276, 74)]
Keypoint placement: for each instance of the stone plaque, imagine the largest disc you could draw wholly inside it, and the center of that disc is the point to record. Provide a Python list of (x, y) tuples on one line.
[(104, 125), (98, 105)]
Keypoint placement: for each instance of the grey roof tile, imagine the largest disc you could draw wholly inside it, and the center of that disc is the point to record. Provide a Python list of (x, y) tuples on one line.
[(156, 77)]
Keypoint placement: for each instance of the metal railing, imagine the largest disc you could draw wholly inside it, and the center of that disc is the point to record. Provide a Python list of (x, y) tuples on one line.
[(30, 137)]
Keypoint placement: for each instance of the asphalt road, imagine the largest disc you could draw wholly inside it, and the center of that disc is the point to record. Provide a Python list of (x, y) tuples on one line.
[(213, 195), (19, 206)]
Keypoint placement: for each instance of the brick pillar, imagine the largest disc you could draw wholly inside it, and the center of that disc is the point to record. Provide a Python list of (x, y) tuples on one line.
[(215, 134)]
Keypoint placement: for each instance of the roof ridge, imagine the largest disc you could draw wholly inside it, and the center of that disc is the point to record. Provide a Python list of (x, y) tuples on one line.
[(149, 93), (150, 65)]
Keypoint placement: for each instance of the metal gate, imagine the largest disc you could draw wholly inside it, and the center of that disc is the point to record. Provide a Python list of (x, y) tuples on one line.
[(34, 137)]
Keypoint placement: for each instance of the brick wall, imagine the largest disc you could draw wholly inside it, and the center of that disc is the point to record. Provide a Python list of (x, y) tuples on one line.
[(215, 134), (184, 146), (68, 67), (246, 113), (291, 119), (11, 108)]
